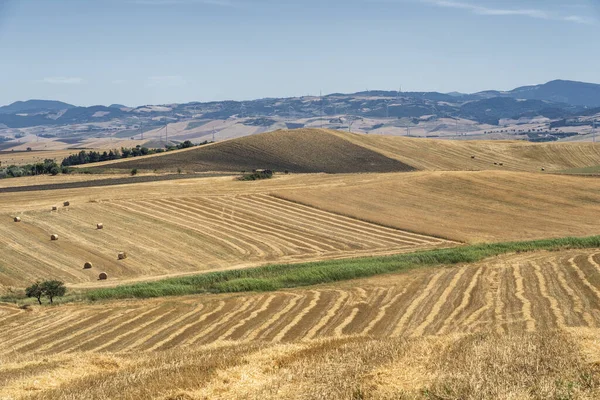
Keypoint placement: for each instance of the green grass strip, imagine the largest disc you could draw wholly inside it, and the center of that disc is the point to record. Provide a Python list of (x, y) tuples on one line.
[(280, 276)]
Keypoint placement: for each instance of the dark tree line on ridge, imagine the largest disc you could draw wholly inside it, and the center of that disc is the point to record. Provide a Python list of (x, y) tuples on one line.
[(89, 157)]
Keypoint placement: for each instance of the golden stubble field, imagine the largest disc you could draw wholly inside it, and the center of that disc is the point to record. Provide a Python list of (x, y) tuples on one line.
[(515, 326)]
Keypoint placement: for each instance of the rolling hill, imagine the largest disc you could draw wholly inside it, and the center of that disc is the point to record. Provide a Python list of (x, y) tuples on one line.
[(320, 150), (300, 151)]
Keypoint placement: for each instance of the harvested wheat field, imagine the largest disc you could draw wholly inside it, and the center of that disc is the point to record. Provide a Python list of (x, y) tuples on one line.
[(322, 150), (185, 235), (194, 225), (300, 151), (456, 155), (485, 206), (508, 294), (385, 336)]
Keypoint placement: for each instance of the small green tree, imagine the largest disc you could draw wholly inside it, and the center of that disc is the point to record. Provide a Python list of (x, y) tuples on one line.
[(134, 172), (52, 289), (36, 291)]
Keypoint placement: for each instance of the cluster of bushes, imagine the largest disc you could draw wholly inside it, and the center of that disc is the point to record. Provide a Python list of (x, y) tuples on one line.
[(84, 157), (49, 166), (257, 175)]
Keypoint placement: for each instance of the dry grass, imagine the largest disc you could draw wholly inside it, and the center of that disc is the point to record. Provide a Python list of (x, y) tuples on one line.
[(455, 155), (321, 150), (31, 157), (157, 235), (518, 366), (467, 206), (302, 150), (532, 292)]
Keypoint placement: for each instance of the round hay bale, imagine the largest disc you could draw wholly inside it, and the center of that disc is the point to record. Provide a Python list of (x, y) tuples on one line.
[(100, 226), (472, 157), (66, 204), (54, 208), (87, 265), (102, 276), (501, 164), (54, 237), (17, 219), (543, 169), (122, 255)]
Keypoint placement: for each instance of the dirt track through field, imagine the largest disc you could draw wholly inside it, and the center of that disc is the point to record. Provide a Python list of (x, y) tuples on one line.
[(516, 293)]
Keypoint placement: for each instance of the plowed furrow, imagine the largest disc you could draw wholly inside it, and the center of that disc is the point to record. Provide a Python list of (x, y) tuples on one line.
[(52, 336), (331, 314), (416, 304), (520, 294), (24, 332), (367, 309), (187, 333), (323, 227), (241, 325), (344, 223), (238, 228), (555, 308), (145, 332), (169, 331), (441, 301), (72, 341), (213, 330), (292, 233), (268, 327), (121, 328), (298, 317), (220, 240), (578, 305), (224, 235), (453, 320)]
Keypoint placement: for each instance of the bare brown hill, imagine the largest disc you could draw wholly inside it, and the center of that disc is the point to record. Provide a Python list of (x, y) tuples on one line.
[(302, 151)]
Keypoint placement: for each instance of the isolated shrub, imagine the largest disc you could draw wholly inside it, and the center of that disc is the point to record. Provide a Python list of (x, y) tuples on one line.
[(134, 172)]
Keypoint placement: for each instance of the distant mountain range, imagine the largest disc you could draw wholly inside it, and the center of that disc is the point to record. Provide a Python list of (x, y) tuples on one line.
[(35, 106), (555, 100)]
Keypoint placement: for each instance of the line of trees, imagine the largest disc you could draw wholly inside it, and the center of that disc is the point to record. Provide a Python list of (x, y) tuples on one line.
[(89, 157), (49, 166)]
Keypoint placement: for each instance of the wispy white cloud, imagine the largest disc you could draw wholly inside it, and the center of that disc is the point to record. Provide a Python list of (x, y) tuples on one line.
[(220, 3), (524, 12), (167, 80), (63, 80)]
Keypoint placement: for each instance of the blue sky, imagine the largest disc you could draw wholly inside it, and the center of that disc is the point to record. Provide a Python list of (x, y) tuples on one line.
[(160, 51)]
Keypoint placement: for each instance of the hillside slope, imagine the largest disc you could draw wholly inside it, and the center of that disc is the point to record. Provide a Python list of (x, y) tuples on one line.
[(302, 151), (456, 155), (467, 206)]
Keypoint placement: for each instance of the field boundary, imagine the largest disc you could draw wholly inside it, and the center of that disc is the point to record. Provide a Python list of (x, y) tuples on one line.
[(367, 220), (283, 276)]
